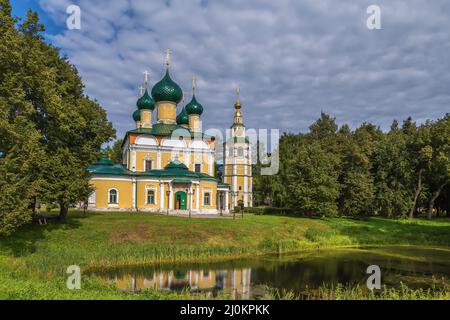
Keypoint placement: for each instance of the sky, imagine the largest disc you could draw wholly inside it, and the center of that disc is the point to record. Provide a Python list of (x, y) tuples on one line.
[(292, 59)]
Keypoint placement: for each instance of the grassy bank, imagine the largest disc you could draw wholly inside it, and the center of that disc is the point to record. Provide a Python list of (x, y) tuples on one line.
[(356, 292), (37, 256)]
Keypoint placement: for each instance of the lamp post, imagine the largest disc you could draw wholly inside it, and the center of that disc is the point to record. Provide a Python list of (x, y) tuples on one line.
[(232, 201), (190, 202), (168, 201)]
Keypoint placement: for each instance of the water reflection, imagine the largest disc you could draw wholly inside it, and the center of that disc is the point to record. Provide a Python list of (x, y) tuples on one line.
[(236, 282), (246, 278)]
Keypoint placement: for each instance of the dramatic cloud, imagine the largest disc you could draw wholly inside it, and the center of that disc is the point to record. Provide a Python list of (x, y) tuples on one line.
[(292, 59)]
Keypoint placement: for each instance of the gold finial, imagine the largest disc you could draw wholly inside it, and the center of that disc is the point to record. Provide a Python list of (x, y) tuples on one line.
[(167, 58), (194, 82), (237, 105)]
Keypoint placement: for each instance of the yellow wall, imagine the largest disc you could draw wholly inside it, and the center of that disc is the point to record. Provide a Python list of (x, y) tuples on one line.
[(167, 112), (140, 156), (101, 193), (206, 186), (146, 118), (142, 187)]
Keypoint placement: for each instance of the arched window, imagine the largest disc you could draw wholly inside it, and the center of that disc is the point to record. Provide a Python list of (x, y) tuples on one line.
[(207, 199), (240, 152), (150, 197), (113, 196)]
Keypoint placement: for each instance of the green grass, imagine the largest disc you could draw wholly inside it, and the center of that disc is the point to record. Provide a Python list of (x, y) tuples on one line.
[(357, 292), (125, 239)]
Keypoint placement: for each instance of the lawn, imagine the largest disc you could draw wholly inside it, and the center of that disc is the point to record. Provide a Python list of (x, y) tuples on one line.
[(36, 257)]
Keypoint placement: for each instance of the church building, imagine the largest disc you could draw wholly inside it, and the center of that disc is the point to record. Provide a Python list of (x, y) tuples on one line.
[(168, 164)]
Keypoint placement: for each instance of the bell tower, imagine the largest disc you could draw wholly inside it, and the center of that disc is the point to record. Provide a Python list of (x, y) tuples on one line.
[(237, 161)]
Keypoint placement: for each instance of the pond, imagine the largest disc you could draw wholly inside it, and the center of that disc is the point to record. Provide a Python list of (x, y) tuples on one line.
[(248, 278)]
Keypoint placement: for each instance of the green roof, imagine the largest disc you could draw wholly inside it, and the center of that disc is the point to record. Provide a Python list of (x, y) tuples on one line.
[(164, 129), (194, 107), (174, 170), (167, 90), (176, 165), (183, 117), (145, 102), (106, 167), (137, 115)]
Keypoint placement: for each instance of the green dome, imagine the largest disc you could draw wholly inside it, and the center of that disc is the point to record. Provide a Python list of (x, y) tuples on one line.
[(167, 90), (183, 117), (194, 107), (104, 161), (145, 102), (176, 164), (137, 115)]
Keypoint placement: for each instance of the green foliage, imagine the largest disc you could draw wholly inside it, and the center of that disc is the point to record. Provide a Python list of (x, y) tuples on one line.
[(115, 152), (311, 180), (49, 130), (332, 170)]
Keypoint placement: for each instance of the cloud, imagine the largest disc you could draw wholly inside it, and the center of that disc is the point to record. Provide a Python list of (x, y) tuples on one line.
[(292, 59)]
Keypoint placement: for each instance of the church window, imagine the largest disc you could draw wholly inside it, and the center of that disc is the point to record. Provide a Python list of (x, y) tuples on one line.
[(240, 152), (207, 199), (113, 196), (91, 199), (198, 167), (148, 165), (150, 197)]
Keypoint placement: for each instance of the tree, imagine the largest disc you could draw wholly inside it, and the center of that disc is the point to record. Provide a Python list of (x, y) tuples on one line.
[(419, 155), (392, 174), (115, 153), (439, 172), (311, 180), (43, 109)]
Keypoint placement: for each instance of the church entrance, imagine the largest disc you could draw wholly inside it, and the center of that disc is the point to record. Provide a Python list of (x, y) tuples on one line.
[(180, 200)]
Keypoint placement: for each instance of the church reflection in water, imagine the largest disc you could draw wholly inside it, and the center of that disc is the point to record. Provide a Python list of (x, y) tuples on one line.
[(236, 282)]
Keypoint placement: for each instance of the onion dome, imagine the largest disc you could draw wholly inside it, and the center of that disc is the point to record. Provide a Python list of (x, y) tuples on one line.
[(167, 90), (194, 107), (137, 115), (176, 165), (183, 118), (146, 102)]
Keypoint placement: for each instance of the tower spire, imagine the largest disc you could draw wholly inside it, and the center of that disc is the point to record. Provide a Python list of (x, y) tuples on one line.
[(237, 105)]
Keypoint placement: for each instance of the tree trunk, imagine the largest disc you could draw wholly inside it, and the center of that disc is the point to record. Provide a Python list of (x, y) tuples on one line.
[(416, 194), (63, 210), (433, 198)]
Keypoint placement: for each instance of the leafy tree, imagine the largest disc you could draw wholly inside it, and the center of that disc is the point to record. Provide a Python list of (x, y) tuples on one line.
[(392, 174), (42, 110), (439, 172), (115, 153), (311, 180)]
